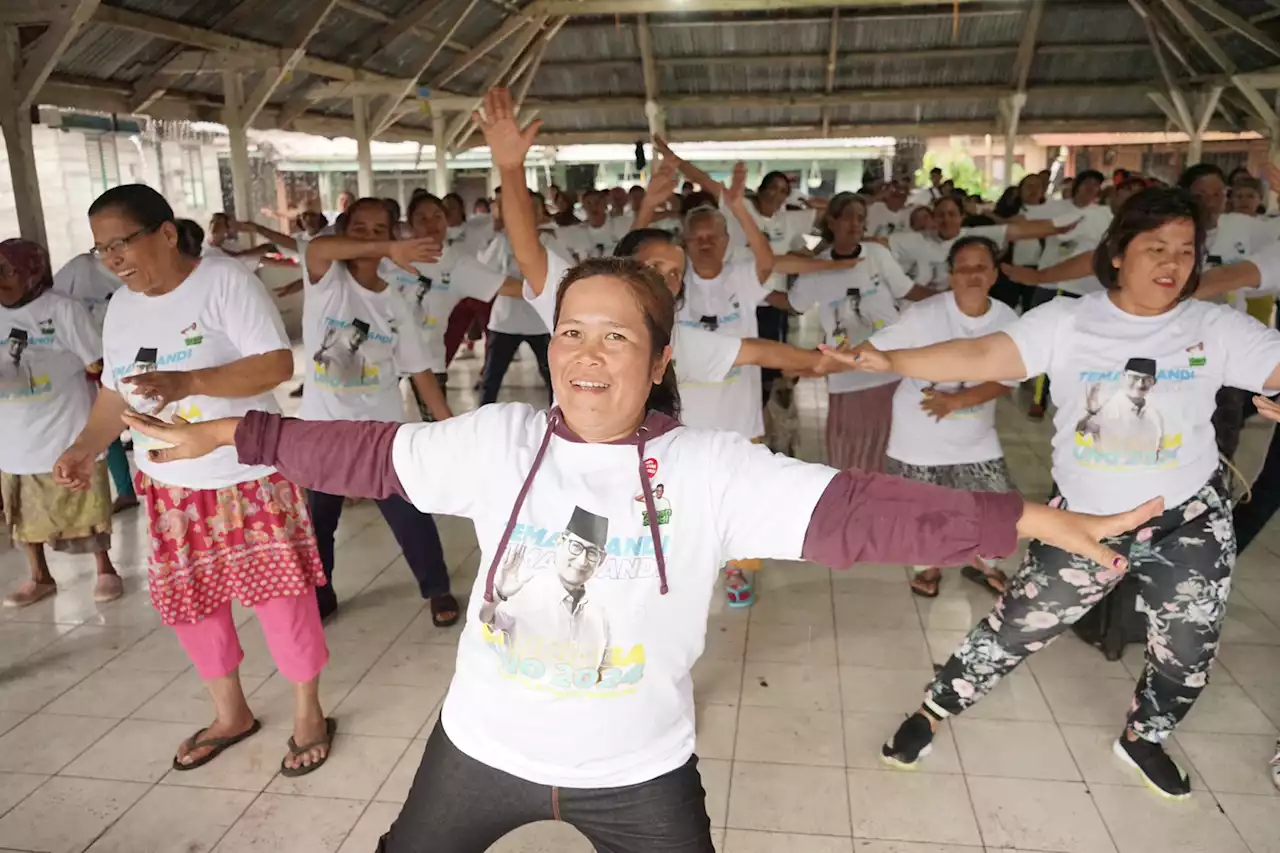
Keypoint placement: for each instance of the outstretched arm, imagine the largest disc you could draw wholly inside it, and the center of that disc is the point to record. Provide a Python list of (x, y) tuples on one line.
[(284, 241), (1079, 266), (1222, 280), (322, 252), (1035, 229), (690, 171), (990, 358), (508, 147)]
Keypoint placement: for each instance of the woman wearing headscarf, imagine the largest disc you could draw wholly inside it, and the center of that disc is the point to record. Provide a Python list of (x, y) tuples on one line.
[(44, 403)]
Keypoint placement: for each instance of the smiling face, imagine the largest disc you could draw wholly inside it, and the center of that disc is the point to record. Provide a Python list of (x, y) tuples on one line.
[(1156, 265), (576, 559), (601, 359), (429, 220), (144, 260)]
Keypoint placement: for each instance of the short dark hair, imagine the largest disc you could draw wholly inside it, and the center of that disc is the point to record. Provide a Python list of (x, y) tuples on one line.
[(935, 171), (1086, 175), (1200, 170), (1143, 212), (770, 177), (139, 202), (345, 219), (965, 242), (656, 304), (190, 238), (420, 199), (630, 244)]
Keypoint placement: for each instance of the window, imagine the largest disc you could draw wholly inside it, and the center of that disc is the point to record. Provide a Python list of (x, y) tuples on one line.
[(1160, 164), (193, 177), (1227, 161), (104, 162)]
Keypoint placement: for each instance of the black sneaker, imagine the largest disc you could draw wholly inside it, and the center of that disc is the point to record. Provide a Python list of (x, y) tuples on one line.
[(1159, 771), (912, 742)]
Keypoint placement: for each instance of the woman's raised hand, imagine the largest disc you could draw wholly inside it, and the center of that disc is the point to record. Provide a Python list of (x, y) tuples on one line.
[(508, 144)]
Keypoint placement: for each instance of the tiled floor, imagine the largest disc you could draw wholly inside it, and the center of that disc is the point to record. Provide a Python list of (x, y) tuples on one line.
[(795, 697)]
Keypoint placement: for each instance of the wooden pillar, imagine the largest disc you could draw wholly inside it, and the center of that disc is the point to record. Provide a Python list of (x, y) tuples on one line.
[(440, 177), (364, 149), (15, 123), (233, 118), (1012, 109)]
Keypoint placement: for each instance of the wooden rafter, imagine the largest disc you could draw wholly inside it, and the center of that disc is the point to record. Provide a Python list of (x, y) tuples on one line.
[(833, 58), (387, 111), (39, 62), (1239, 25), (297, 49), (521, 44)]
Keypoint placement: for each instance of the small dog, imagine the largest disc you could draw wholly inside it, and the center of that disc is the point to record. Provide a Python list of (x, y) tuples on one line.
[(781, 420)]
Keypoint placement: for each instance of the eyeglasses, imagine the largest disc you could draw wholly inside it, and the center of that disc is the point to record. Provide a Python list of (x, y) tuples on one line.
[(576, 548), (119, 245)]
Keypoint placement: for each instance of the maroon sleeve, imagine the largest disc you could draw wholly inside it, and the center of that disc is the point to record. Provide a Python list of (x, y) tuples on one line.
[(875, 518), (339, 457)]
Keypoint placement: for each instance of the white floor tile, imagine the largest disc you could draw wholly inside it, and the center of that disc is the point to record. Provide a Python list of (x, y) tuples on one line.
[(386, 710), (45, 743), (1232, 764), (1141, 822), (786, 736), (1091, 747), (716, 776), (291, 825), (1256, 819), (414, 665), (1088, 701), (884, 648), (15, 787), (867, 689), (373, 824), (174, 819), (63, 815), (865, 734), (356, 769), (717, 730), (248, 766), (793, 644), (717, 682), (727, 636), (746, 841), (1038, 815), (1008, 748), (111, 692), (543, 837), (186, 700), (780, 685), (1226, 709), (133, 751), (788, 798), (868, 846), (902, 806), (396, 788)]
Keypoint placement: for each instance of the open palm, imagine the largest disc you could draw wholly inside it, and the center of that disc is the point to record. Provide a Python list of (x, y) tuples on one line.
[(508, 144)]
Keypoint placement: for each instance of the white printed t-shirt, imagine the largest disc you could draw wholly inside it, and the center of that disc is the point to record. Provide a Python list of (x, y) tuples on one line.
[(1136, 394), (359, 344), (88, 282), (1234, 240), (44, 392), (585, 241), (853, 305), (221, 313), (725, 305), (512, 315), (433, 293), (599, 696), (924, 255), (966, 435), (698, 356), (883, 222), (1094, 221), (785, 230)]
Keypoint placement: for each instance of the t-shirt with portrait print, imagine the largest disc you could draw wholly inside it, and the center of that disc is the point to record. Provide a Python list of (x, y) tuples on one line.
[(725, 304), (853, 304), (358, 343), (44, 392), (1234, 239), (434, 291), (577, 674), (1136, 395), (219, 314)]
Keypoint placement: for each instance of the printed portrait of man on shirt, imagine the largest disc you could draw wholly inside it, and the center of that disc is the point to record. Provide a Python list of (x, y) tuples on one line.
[(549, 614), (16, 379), (339, 361), (1125, 428), (853, 326)]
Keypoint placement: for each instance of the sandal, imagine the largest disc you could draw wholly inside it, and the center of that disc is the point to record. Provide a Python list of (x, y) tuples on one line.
[(29, 593), (925, 587), (981, 578), (444, 604), (742, 594), (330, 726), (219, 744)]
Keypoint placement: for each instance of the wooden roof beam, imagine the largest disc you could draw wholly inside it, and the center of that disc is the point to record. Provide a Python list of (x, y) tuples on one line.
[(375, 42), (636, 7), (1239, 25), (44, 54), (833, 60), (454, 131), (306, 28), (387, 112)]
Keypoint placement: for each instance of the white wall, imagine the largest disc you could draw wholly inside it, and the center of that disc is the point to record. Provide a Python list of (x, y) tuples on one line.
[(67, 190)]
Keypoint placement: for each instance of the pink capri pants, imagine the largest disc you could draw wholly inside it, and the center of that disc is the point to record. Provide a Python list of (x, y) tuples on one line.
[(291, 624)]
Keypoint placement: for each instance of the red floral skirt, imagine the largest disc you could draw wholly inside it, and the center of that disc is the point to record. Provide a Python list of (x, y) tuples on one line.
[(252, 541)]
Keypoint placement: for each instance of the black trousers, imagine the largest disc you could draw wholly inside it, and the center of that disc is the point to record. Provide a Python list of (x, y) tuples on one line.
[(499, 351), (773, 324), (458, 805), (415, 532)]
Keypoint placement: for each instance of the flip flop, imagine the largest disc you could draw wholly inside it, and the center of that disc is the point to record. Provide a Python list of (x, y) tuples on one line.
[(219, 744), (444, 604), (330, 726), (741, 595), (917, 591), (982, 579)]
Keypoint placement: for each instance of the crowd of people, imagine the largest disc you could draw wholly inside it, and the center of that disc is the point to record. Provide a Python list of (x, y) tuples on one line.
[(658, 318)]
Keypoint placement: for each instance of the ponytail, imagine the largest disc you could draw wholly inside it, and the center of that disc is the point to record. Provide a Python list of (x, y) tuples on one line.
[(190, 238), (665, 396)]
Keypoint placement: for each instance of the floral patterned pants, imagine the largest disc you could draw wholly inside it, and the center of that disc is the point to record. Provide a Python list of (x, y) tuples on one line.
[(1183, 560)]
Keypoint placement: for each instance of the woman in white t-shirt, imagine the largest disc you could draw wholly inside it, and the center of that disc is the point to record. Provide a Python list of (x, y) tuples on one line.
[(572, 697), (362, 337), (50, 342), (199, 339), (924, 254), (470, 317), (853, 304), (945, 433), (87, 281), (1136, 367)]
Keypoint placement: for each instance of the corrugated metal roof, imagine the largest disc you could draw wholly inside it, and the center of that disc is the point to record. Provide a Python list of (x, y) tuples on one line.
[(599, 58)]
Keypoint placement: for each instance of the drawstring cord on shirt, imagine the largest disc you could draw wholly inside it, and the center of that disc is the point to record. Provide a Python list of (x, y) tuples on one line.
[(553, 419)]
